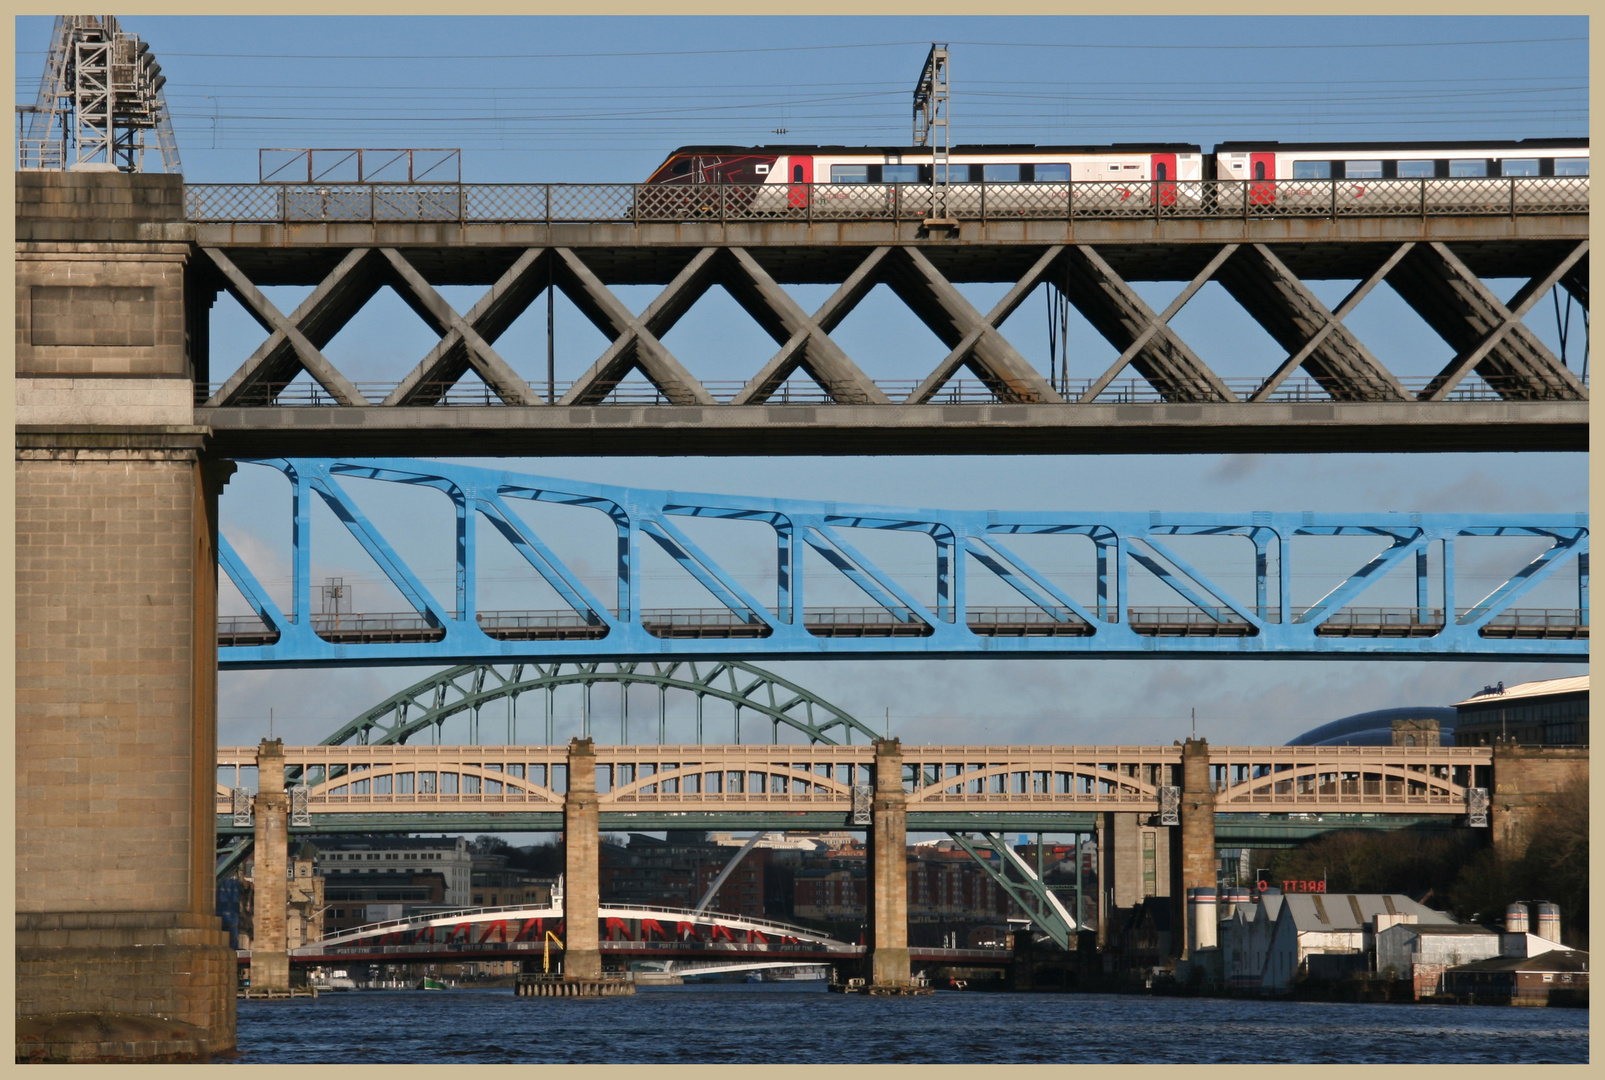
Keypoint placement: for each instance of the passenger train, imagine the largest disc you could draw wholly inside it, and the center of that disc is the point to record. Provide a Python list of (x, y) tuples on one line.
[(1233, 173)]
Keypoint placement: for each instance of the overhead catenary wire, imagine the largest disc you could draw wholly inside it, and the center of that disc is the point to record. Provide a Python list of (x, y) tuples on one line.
[(1145, 46)]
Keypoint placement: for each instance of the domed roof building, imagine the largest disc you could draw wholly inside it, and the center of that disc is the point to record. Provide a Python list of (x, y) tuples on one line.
[(1375, 728)]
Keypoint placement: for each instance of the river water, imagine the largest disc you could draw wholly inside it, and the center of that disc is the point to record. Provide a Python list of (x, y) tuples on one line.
[(800, 1023)]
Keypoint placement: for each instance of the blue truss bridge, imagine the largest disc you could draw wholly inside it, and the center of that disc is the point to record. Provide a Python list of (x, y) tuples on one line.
[(924, 613)]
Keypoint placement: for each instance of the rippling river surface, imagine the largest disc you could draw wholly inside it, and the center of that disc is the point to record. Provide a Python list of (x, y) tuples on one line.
[(800, 1023)]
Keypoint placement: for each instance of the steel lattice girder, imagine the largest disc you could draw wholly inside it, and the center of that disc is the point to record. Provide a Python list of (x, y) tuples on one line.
[(1488, 337), (1212, 622)]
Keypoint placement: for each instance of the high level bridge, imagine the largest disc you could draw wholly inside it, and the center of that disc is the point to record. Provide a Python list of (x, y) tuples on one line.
[(1156, 811)]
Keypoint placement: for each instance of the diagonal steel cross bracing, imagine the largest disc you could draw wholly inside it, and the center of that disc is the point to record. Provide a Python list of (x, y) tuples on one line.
[(1003, 402), (925, 610), (295, 342), (635, 345), (1315, 338), (974, 340), (1145, 340), (1487, 336)]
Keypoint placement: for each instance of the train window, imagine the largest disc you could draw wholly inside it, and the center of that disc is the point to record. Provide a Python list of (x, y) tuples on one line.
[(1564, 166), (1309, 170), (849, 174), (900, 174), (956, 174), (1053, 171), (1259, 170), (1417, 170), (682, 167), (1362, 170), (1519, 167), (997, 173), (796, 174), (1468, 167), (1159, 171), (761, 170)]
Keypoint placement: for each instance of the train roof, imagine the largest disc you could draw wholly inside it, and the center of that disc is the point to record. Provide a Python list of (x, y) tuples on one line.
[(968, 148), (1488, 144)]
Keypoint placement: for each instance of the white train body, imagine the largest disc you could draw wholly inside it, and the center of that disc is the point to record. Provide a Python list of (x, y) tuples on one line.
[(1135, 179)]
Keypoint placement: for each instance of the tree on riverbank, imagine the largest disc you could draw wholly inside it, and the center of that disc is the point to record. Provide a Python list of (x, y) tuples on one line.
[(1554, 867), (1413, 861), (1462, 872)]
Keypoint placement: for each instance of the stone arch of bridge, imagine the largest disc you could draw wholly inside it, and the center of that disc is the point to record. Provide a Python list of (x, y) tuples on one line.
[(1328, 774), (426, 705), (1115, 783)]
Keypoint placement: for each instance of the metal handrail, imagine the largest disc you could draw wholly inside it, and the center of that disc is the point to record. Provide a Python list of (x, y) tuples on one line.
[(304, 393), (975, 615)]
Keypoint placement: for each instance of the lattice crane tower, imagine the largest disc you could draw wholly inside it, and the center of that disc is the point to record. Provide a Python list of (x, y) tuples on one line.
[(100, 96)]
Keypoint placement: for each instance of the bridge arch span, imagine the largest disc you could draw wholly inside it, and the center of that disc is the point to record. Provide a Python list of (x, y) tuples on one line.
[(426, 705)]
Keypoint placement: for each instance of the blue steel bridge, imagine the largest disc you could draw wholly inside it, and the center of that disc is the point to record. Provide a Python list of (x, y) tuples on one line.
[(898, 615)]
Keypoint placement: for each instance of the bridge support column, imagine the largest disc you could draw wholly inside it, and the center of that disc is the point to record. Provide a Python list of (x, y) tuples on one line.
[(888, 870), (582, 846), (1192, 862), (1525, 779), (270, 957), (120, 954)]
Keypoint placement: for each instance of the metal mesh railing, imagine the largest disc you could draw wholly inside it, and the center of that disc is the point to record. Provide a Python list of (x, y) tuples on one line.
[(302, 394), (680, 203)]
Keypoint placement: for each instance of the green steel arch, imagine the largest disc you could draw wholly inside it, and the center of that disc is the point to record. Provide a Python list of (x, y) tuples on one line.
[(428, 704)]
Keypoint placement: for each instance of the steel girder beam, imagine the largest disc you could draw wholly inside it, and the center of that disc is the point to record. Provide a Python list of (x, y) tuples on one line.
[(1023, 887), (1488, 337), (896, 622), (1314, 337), (430, 702), (1145, 340)]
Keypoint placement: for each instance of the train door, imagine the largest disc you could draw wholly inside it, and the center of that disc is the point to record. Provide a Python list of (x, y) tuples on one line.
[(1162, 170), (802, 175), (1262, 167)]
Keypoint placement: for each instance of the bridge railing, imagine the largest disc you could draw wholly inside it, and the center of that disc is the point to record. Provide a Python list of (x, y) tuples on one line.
[(640, 204), (308, 394), (245, 630)]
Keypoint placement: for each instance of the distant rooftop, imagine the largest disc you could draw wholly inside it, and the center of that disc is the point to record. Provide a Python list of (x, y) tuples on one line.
[(1576, 684)]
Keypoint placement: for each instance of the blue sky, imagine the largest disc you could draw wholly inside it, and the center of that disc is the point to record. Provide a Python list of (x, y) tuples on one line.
[(602, 100)]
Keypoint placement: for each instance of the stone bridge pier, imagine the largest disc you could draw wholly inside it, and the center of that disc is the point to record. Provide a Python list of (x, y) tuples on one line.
[(120, 954)]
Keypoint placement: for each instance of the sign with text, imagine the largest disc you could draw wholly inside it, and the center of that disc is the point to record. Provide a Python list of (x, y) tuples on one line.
[(1294, 886)]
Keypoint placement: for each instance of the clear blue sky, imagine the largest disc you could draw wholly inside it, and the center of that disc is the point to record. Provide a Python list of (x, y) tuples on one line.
[(603, 100)]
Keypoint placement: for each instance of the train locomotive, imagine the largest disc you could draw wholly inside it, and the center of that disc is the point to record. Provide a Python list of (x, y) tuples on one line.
[(1126, 177)]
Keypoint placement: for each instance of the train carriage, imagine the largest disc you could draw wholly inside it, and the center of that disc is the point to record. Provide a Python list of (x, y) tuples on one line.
[(1019, 181), (1395, 177), (1119, 180)]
